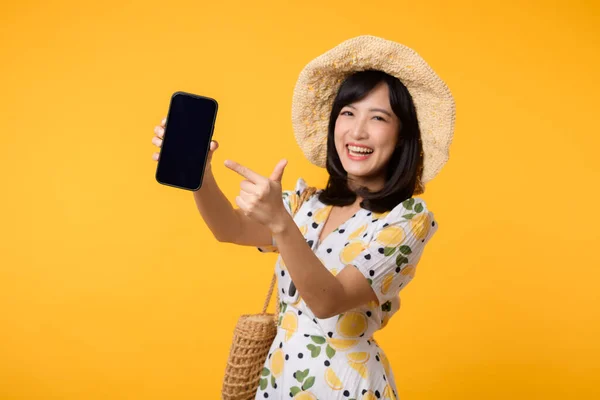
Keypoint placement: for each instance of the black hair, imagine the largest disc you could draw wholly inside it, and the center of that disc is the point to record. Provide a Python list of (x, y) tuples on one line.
[(405, 166)]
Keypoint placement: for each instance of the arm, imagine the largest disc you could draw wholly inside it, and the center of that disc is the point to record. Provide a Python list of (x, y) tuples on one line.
[(226, 223), (326, 295)]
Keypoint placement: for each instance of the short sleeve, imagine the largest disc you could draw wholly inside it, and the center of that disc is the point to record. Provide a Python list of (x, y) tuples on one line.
[(290, 200), (390, 258)]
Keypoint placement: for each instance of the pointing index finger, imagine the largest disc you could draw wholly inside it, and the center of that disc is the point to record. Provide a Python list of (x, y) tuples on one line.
[(244, 171)]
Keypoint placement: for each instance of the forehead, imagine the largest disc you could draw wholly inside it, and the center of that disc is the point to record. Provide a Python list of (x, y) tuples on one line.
[(379, 96)]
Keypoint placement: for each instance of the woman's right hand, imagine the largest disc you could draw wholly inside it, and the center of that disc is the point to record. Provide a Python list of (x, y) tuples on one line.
[(157, 140)]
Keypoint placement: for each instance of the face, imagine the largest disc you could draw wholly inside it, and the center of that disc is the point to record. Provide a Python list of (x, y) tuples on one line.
[(366, 133)]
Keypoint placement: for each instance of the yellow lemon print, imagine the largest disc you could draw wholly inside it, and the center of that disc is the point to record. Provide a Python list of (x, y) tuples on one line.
[(305, 396), (368, 396), (420, 225), (293, 201), (360, 357), (352, 324), (304, 229), (357, 232), (352, 251), (290, 324), (380, 215), (282, 263), (277, 361), (373, 304), (342, 344), (321, 215), (332, 380), (409, 271), (360, 368), (391, 236), (388, 393), (385, 362), (387, 282), (334, 271)]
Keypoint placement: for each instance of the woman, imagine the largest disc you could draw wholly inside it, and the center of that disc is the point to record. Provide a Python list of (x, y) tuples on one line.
[(351, 247)]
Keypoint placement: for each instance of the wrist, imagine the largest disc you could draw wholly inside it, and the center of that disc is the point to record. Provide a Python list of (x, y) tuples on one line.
[(281, 224)]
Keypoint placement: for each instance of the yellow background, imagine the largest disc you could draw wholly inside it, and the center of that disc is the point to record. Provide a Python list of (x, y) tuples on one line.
[(112, 287)]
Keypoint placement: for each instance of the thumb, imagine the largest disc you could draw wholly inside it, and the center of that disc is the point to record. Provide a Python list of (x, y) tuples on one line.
[(278, 171)]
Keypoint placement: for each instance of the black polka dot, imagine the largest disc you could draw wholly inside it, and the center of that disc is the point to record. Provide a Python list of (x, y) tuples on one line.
[(314, 320), (294, 375), (397, 269), (386, 224), (292, 394), (369, 214), (364, 391), (266, 395), (287, 357), (346, 244), (376, 219), (283, 290), (368, 313), (315, 225), (342, 231), (346, 393), (300, 355), (298, 192), (377, 394), (368, 256), (433, 223), (371, 272), (327, 363), (299, 312), (362, 335), (423, 240), (310, 242), (377, 357), (384, 378), (306, 335), (280, 345), (365, 235), (381, 250), (282, 273), (330, 334), (369, 342), (309, 214), (269, 356)]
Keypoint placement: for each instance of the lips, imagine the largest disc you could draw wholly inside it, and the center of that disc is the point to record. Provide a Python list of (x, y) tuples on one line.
[(358, 153)]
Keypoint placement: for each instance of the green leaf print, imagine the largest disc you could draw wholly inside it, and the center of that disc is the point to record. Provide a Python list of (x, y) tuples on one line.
[(318, 339), (370, 281), (408, 216), (419, 208), (401, 260), (284, 307), (300, 375), (310, 346), (309, 383), (408, 203), (266, 372), (263, 384), (405, 250), (280, 319), (388, 251), (315, 352), (330, 351), (387, 306), (295, 390), (273, 383)]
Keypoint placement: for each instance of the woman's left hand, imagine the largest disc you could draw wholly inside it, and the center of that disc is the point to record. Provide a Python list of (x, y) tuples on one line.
[(260, 197)]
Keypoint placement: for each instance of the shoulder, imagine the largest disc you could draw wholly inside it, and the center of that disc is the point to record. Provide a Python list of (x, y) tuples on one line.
[(414, 216)]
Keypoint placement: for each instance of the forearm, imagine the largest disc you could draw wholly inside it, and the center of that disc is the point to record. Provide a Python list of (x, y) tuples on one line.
[(216, 210), (319, 288)]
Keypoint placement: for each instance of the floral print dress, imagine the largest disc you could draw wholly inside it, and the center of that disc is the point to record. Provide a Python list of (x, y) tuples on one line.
[(337, 357)]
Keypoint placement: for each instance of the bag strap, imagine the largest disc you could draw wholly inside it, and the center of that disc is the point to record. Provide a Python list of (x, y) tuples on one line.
[(305, 195)]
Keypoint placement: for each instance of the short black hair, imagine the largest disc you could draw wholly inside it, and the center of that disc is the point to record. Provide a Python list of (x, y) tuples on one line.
[(405, 166)]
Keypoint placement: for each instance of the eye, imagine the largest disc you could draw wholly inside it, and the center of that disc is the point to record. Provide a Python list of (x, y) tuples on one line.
[(346, 113), (379, 118)]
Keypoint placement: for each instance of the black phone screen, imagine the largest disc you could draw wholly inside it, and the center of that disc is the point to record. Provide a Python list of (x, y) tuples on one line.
[(186, 141)]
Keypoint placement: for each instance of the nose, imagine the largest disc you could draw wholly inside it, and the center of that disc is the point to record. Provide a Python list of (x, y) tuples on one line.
[(358, 130)]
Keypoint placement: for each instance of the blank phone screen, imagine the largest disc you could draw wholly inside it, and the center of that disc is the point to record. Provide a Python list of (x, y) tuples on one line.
[(186, 142)]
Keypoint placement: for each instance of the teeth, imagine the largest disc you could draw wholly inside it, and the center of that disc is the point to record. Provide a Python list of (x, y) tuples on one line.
[(363, 150)]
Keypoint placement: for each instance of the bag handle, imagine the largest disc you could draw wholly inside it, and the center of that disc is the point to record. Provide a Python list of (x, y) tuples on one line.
[(305, 194)]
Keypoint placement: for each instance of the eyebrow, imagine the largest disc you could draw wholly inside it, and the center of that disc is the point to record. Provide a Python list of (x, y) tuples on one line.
[(381, 110)]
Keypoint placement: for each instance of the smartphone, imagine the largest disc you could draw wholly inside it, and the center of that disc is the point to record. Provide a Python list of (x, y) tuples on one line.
[(186, 141)]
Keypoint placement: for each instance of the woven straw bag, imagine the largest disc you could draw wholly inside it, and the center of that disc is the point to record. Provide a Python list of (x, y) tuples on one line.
[(252, 339)]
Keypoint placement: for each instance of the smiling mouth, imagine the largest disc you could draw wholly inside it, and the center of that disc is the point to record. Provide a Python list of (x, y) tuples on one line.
[(358, 153)]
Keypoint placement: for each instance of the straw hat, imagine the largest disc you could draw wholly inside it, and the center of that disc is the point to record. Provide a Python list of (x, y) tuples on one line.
[(320, 80)]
